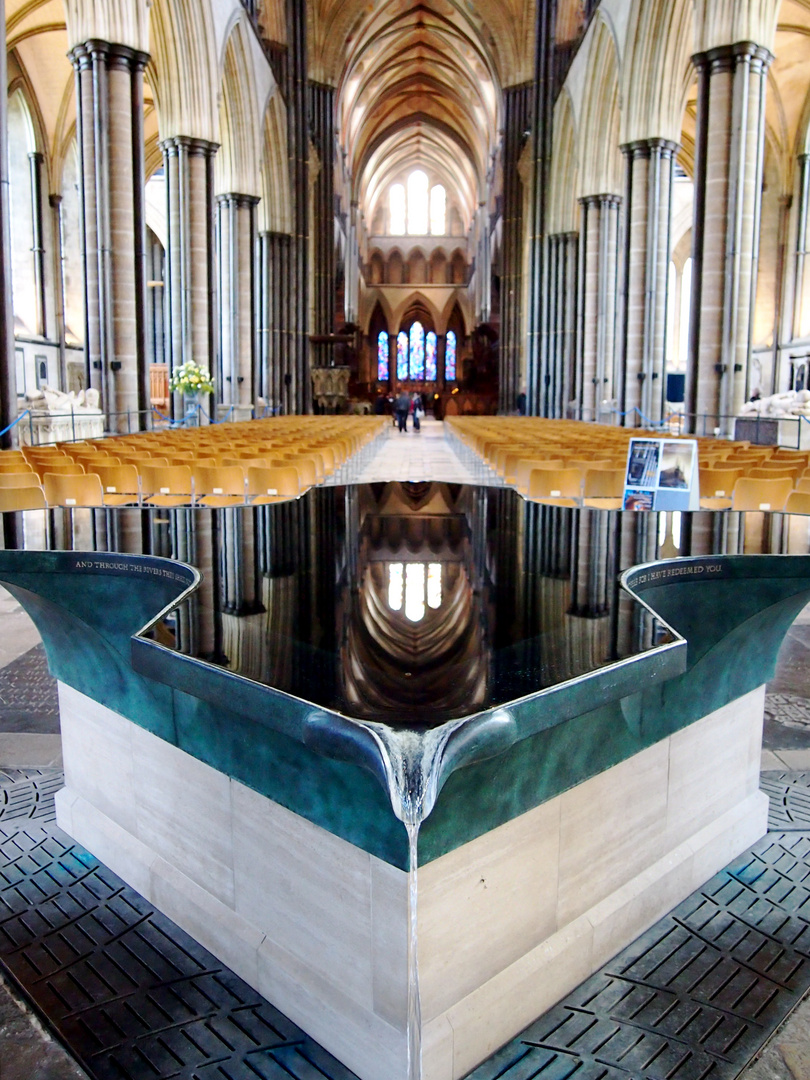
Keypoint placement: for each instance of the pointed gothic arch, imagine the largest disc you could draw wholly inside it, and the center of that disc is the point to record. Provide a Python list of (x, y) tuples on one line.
[(562, 205), (601, 158), (236, 167), (657, 70), (183, 69), (275, 208)]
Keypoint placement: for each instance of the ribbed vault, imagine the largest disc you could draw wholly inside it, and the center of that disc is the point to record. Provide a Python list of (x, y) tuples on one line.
[(419, 85)]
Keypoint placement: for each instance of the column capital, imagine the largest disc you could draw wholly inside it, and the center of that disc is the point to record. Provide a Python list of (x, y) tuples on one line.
[(238, 200), (193, 147), (648, 148), (604, 199), (122, 57), (727, 57)]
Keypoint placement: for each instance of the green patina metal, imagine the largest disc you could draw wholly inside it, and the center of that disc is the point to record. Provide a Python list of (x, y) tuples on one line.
[(91, 610)]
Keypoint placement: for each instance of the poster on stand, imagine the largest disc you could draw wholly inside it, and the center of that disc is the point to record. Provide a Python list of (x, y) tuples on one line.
[(662, 474)]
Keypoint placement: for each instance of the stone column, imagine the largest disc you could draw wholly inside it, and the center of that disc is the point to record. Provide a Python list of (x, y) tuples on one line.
[(591, 564), (560, 349), (322, 114), (190, 281), (35, 160), (8, 382), (236, 219), (274, 319), (240, 589), (599, 243), (483, 273), (109, 129), (801, 292), (297, 382), (352, 266), (728, 190), (517, 110), (649, 171)]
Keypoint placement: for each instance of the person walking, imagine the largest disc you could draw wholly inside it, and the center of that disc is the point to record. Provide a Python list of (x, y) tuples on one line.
[(418, 410), (402, 406)]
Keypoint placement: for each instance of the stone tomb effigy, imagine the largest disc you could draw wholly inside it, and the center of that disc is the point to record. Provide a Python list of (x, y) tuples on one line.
[(564, 784)]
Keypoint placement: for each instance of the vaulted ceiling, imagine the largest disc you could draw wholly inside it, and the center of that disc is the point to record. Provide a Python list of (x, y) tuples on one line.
[(420, 85)]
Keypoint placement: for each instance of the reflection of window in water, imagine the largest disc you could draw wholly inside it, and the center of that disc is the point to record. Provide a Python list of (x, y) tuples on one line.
[(416, 585)]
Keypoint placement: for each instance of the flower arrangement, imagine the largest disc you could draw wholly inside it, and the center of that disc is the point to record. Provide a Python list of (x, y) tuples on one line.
[(191, 379)]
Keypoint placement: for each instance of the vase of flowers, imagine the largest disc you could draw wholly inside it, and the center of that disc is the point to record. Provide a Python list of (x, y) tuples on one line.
[(195, 384)]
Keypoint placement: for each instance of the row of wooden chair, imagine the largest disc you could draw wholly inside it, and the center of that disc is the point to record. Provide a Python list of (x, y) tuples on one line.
[(159, 485), (604, 489), (247, 463), (558, 461)]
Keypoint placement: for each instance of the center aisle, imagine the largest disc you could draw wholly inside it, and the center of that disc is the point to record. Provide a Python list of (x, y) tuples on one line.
[(414, 456)]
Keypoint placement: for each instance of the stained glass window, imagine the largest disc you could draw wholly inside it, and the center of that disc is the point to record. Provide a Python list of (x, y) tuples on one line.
[(396, 206), (402, 355), (418, 203), (382, 356), (450, 356), (416, 363), (438, 202), (430, 356)]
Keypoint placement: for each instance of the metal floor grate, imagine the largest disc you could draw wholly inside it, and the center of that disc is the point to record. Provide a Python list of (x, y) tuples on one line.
[(128, 993), (789, 793), (28, 696), (697, 995), (27, 794), (134, 998)]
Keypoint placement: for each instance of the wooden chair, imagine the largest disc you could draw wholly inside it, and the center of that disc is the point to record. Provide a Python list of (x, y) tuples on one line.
[(15, 467), (272, 485), (798, 502), (62, 467), (165, 485), (83, 489), (716, 486), (603, 489), (555, 487), (119, 483), (219, 485), (527, 465), (21, 498), (755, 494), (19, 479)]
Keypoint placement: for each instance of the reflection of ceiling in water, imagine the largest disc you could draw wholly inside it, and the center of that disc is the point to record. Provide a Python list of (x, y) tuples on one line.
[(406, 667), (414, 644), (408, 603)]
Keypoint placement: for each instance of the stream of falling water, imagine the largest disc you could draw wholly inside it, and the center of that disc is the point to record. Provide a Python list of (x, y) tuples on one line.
[(411, 762), (414, 1004)]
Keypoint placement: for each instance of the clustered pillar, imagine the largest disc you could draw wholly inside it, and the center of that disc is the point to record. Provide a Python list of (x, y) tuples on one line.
[(236, 224), (190, 282), (728, 180), (109, 103), (322, 111), (561, 331), (517, 105), (801, 298), (599, 248), (649, 172), (275, 320)]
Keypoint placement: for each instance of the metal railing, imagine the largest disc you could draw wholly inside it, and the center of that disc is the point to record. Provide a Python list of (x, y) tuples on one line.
[(756, 428), (129, 422)]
